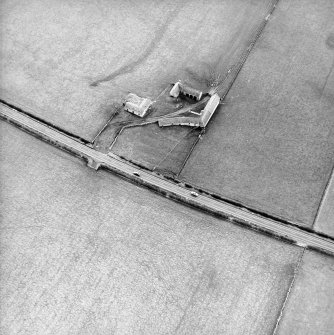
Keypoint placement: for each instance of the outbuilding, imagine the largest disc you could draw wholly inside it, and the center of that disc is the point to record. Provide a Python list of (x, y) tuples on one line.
[(180, 88)]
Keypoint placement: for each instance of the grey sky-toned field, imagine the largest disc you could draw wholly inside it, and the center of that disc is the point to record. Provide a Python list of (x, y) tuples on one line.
[(87, 252)]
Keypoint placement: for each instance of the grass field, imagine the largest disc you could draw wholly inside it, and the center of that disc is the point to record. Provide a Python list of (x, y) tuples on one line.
[(86, 252)]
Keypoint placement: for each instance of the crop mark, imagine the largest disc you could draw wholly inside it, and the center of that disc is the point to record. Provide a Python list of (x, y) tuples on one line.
[(128, 68)]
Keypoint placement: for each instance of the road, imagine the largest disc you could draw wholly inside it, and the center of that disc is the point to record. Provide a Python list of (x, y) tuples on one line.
[(170, 189)]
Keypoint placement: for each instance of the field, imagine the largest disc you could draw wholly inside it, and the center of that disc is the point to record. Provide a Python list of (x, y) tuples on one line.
[(72, 70), (311, 304), (77, 78), (89, 253), (271, 147)]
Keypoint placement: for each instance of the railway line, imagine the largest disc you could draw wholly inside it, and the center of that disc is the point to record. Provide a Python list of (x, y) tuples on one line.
[(171, 189)]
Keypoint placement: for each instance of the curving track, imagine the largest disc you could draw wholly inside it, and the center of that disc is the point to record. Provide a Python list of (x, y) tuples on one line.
[(168, 188)]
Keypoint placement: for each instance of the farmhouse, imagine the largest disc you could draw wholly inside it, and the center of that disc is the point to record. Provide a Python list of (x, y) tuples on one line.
[(137, 105)]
